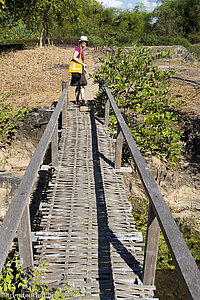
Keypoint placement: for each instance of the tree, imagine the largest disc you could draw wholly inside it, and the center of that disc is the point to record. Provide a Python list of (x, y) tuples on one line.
[(136, 22), (178, 17), (42, 15)]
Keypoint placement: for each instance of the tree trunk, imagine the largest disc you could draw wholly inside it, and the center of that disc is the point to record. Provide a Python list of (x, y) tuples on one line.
[(41, 38), (37, 31)]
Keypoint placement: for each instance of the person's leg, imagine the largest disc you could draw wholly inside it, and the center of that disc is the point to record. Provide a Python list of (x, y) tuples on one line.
[(83, 94), (77, 92)]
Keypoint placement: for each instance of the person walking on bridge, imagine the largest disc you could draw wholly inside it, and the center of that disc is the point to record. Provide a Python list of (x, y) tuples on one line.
[(78, 79)]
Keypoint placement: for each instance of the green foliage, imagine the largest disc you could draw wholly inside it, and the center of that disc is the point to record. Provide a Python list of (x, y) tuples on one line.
[(2, 6), (10, 118), (17, 32), (172, 22), (141, 92), (140, 214), (17, 284), (178, 17), (154, 39), (195, 50), (187, 226), (11, 277)]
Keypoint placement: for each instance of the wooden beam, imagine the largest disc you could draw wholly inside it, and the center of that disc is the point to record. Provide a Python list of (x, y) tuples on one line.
[(118, 148), (25, 239), (64, 110), (107, 112), (54, 147), (151, 248)]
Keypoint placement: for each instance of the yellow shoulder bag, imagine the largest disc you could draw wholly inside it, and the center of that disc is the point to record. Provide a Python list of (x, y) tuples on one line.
[(75, 67)]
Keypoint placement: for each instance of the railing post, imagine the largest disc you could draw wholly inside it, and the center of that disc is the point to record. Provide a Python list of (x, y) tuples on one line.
[(54, 147), (64, 85), (151, 248), (64, 109), (25, 239), (118, 148), (107, 111)]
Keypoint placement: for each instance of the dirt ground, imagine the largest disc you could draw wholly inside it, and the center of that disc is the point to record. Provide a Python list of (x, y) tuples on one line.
[(185, 84), (34, 77)]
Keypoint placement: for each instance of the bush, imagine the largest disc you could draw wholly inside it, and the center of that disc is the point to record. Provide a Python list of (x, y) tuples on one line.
[(17, 32), (194, 37), (157, 40), (141, 92), (10, 118), (186, 227), (195, 50), (16, 283)]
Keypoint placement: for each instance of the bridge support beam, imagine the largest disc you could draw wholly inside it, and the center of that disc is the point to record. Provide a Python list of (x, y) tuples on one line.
[(151, 248), (64, 110), (25, 239), (118, 148), (107, 112), (54, 147)]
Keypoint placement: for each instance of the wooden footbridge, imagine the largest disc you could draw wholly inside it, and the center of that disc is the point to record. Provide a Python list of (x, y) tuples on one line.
[(84, 223)]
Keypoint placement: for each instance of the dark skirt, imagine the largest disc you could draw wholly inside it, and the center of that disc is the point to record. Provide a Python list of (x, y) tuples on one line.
[(78, 79)]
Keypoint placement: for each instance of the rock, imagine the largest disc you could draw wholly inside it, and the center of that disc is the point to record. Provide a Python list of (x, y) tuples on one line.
[(180, 189), (1, 154), (5, 167), (8, 186), (17, 155), (33, 127), (18, 162)]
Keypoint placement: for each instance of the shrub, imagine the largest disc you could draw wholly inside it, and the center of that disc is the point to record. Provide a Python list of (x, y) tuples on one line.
[(17, 32), (186, 227), (195, 50), (141, 92), (18, 284), (157, 40), (10, 118)]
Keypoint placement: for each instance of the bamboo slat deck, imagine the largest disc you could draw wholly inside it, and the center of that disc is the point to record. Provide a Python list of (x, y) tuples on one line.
[(87, 229)]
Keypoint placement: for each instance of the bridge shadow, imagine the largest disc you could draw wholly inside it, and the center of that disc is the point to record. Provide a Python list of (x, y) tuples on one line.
[(39, 196), (106, 237), (107, 160)]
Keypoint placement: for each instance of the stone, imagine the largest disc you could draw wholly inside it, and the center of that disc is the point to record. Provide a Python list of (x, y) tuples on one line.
[(5, 167), (18, 162), (2, 155)]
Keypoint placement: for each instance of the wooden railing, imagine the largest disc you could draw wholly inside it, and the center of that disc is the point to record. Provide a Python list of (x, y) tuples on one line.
[(17, 218), (159, 216)]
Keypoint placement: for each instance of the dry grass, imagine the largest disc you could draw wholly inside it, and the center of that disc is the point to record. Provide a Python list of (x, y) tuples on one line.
[(34, 76)]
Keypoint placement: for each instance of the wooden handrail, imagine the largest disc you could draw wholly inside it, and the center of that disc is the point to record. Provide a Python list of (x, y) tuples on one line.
[(159, 216), (17, 217)]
